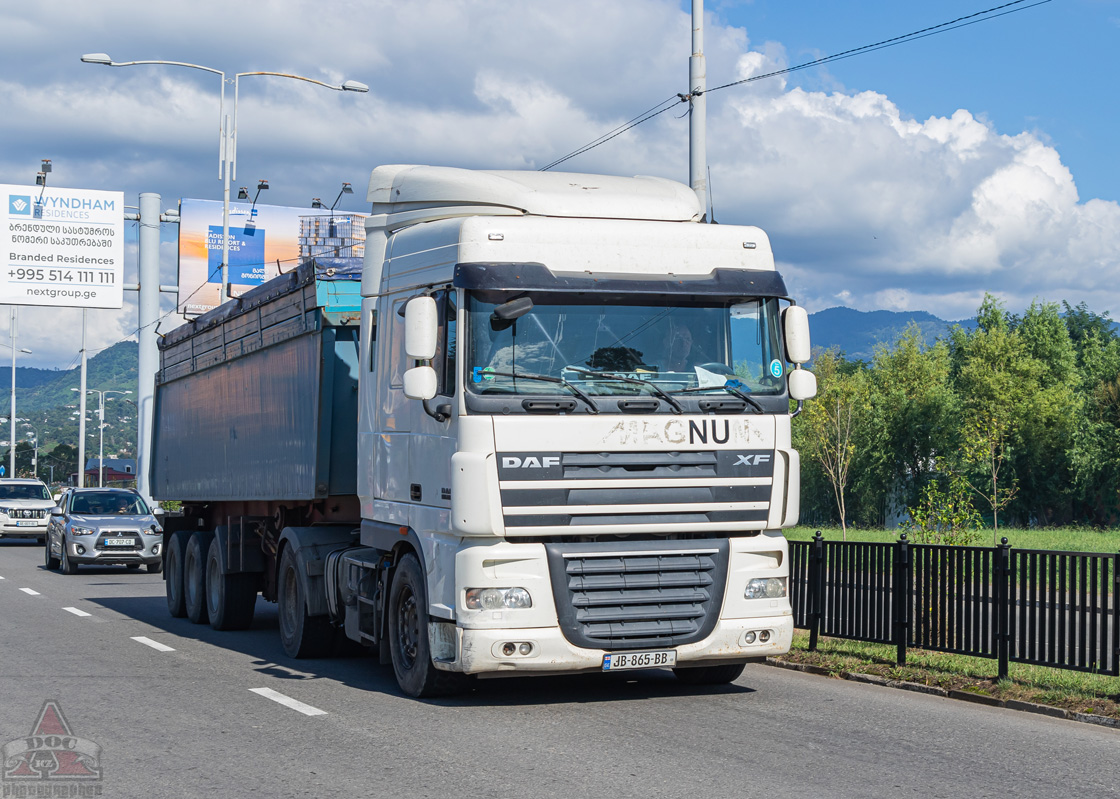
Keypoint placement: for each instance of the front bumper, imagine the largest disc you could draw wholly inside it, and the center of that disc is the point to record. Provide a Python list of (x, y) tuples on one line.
[(13, 530), (480, 651), (84, 551)]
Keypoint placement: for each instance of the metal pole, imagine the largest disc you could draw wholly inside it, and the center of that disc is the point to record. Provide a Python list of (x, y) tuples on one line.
[(227, 167), (101, 442), (12, 418), (698, 111), (149, 352), (82, 411)]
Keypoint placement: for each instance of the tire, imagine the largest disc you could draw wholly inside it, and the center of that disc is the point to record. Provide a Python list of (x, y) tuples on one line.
[(132, 566), (52, 563), (155, 568), (302, 636), (230, 598), (173, 581), (194, 576), (408, 635), (68, 566), (710, 675)]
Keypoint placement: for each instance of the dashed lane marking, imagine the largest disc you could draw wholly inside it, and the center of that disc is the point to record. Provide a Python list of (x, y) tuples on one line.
[(76, 611), (287, 701), (30, 591), (156, 645)]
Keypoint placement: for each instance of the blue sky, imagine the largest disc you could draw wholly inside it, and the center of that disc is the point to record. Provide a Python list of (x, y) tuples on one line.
[(914, 178)]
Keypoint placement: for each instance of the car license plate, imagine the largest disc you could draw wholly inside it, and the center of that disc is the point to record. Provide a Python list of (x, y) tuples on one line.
[(27, 524), (619, 661), (120, 542)]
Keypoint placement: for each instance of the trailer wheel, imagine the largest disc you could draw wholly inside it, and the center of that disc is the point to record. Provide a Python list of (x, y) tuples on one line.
[(194, 576), (710, 675), (302, 636), (173, 557), (408, 635), (230, 598)]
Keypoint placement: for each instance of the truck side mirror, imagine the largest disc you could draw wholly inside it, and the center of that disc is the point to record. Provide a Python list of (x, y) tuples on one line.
[(420, 383), (802, 384), (421, 325), (795, 324)]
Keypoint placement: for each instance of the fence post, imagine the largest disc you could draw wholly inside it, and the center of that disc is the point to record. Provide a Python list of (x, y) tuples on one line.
[(1002, 609), (900, 597), (1116, 615), (816, 589)]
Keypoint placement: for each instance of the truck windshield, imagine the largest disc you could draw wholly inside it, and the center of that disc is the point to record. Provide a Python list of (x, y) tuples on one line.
[(716, 344)]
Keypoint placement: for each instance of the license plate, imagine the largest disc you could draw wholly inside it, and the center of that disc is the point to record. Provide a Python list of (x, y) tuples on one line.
[(120, 542), (619, 661), (27, 524)]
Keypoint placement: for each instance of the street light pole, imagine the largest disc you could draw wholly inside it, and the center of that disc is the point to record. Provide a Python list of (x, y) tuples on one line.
[(12, 413), (227, 149), (101, 430)]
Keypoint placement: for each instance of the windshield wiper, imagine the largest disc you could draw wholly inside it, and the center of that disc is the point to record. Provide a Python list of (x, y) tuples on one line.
[(731, 387), (526, 376), (676, 406)]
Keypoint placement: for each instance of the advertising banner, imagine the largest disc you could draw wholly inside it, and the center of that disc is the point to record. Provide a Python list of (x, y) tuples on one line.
[(62, 247), (264, 241)]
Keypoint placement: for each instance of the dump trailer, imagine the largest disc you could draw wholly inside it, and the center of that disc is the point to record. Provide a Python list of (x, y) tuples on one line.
[(544, 429)]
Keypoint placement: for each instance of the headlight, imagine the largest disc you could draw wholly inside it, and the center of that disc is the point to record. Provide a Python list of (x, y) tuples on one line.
[(498, 598), (75, 530), (766, 588), (5, 510)]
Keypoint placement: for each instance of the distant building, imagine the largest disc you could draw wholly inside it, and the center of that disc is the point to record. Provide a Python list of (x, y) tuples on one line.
[(118, 472)]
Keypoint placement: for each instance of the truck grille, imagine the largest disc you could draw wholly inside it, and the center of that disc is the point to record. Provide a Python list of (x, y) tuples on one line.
[(634, 595), (616, 490)]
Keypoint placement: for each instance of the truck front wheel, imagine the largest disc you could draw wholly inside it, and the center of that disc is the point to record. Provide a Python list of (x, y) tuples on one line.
[(301, 635), (408, 635)]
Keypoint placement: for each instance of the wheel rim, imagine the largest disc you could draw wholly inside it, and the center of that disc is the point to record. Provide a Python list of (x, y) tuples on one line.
[(408, 627)]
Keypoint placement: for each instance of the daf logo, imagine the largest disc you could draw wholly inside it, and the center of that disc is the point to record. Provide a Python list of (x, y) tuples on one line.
[(752, 460), (530, 462)]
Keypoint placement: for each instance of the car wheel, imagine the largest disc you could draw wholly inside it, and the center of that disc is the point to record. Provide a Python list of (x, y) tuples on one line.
[(155, 568), (194, 576), (50, 561), (132, 566), (173, 580), (408, 635), (230, 598), (68, 566), (302, 636)]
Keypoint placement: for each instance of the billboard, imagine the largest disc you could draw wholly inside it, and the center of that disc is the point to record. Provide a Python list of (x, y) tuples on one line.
[(62, 247), (264, 240)]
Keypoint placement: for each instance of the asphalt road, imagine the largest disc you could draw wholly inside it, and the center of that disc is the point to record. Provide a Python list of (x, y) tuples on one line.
[(188, 719)]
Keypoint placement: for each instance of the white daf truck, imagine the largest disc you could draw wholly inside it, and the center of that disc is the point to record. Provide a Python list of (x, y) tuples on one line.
[(547, 432)]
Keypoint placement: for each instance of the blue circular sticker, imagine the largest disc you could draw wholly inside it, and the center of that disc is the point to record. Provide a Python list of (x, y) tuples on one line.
[(776, 368)]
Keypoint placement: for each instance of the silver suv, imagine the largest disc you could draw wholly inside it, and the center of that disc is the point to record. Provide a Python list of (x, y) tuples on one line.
[(103, 526), (25, 507)]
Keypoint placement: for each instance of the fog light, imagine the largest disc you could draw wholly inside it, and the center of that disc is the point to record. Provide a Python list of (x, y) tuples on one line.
[(508, 649), (764, 636), (498, 599), (155, 549), (749, 637), (766, 588), (525, 649), (81, 550)]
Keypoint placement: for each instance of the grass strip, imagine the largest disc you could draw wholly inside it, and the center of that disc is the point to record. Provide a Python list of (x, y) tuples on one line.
[(1068, 539)]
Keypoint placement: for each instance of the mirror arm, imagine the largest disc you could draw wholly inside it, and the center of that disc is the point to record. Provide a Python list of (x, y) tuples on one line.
[(800, 405), (442, 412)]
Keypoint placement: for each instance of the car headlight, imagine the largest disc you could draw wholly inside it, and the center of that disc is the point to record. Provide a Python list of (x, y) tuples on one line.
[(766, 588), (75, 530), (498, 599), (5, 510)]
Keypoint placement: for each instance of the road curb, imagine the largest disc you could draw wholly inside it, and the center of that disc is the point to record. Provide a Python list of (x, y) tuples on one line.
[(963, 696)]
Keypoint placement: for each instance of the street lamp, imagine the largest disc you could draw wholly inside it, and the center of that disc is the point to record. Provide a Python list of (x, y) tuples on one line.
[(227, 149), (101, 429), (12, 415)]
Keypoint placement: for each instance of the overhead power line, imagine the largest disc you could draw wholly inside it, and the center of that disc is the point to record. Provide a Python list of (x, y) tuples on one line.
[(960, 22)]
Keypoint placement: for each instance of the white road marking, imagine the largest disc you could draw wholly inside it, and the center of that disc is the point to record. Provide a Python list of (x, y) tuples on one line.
[(287, 701), (156, 645), (76, 611), (30, 591)]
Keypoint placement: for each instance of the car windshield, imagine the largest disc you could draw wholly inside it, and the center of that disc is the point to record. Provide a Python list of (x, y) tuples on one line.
[(108, 503), (707, 343), (24, 491)]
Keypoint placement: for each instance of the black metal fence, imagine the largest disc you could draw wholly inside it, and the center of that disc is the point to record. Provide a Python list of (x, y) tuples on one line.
[(1043, 607)]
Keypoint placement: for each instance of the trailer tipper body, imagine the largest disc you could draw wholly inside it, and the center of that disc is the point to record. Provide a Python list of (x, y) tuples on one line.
[(545, 430)]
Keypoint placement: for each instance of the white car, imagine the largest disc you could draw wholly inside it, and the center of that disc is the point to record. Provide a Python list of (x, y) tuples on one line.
[(25, 508)]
